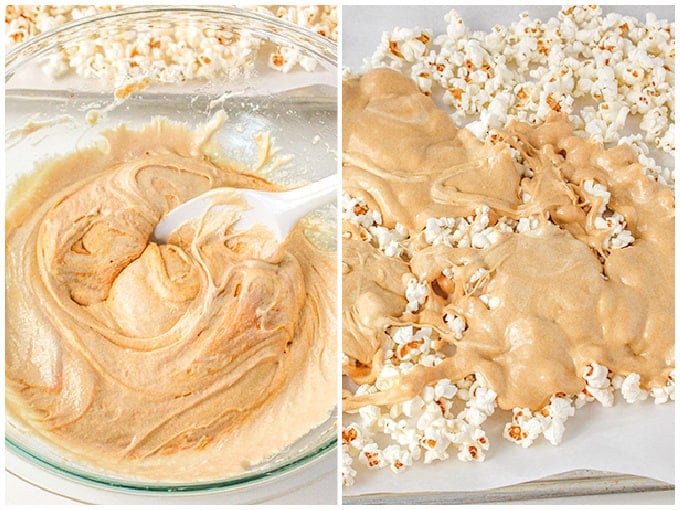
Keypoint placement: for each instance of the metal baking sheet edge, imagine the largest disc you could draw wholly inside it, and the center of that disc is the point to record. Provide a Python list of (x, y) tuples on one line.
[(573, 483)]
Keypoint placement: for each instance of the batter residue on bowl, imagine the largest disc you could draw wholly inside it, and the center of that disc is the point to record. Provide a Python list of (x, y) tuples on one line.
[(183, 362)]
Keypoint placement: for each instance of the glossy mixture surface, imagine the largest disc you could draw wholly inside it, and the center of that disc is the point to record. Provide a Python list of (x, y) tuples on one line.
[(187, 361)]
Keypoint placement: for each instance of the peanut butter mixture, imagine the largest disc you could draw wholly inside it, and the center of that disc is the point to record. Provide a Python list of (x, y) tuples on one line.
[(182, 362), (565, 299)]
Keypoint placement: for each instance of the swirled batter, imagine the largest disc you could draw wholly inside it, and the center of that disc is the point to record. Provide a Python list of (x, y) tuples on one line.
[(186, 361), (564, 299)]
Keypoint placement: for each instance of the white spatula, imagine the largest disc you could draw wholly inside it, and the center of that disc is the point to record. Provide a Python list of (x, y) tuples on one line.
[(278, 211)]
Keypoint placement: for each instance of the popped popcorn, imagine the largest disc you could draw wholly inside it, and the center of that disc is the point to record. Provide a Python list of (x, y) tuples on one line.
[(471, 231), (630, 389), (491, 302), (621, 67), (524, 427), (605, 219), (347, 473), (187, 53), (355, 210), (390, 241), (456, 324), (425, 427), (662, 394), (556, 413), (372, 456), (416, 293), (397, 458), (477, 280), (598, 385)]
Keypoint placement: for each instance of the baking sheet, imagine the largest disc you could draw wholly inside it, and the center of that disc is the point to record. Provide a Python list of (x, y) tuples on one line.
[(632, 439)]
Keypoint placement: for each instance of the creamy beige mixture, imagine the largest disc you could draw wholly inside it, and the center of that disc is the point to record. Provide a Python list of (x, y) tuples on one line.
[(564, 300), (182, 362)]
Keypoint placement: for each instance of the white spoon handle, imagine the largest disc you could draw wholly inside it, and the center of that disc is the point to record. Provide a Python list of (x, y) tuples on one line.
[(278, 211), (281, 211), (298, 202)]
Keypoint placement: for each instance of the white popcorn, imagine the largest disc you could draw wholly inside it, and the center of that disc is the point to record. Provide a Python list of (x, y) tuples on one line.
[(553, 417), (604, 396), (524, 427), (477, 280), (369, 416), (165, 55), (560, 408), (422, 428), (444, 389), (474, 449), (438, 231), (428, 397), (596, 375), (405, 347), (387, 424), (434, 444), (346, 471), (389, 240), (365, 389), (660, 174), (617, 236), (598, 385), (655, 123), (666, 142), (483, 399), (662, 394), (413, 407), (597, 190), (492, 302), (524, 70), (554, 431), (527, 224), (357, 212), (389, 375), (631, 391), (461, 232), (416, 293), (473, 415), (397, 458), (617, 381), (402, 335), (456, 324), (449, 272), (352, 435), (372, 457)]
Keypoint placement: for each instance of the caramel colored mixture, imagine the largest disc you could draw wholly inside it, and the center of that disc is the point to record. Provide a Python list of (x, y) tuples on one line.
[(565, 301), (188, 361)]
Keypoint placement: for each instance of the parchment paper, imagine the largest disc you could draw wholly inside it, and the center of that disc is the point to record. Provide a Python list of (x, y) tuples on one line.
[(637, 439)]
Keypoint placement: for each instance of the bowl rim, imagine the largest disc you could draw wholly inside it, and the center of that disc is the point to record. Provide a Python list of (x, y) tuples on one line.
[(151, 487), (284, 32), (325, 50)]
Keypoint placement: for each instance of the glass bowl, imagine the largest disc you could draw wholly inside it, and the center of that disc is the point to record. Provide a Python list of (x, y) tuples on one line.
[(48, 115)]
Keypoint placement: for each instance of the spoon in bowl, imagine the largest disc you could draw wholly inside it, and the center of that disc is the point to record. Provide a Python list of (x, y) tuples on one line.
[(277, 211)]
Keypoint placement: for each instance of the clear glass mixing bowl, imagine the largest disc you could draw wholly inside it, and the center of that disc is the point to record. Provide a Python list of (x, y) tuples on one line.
[(48, 116)]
